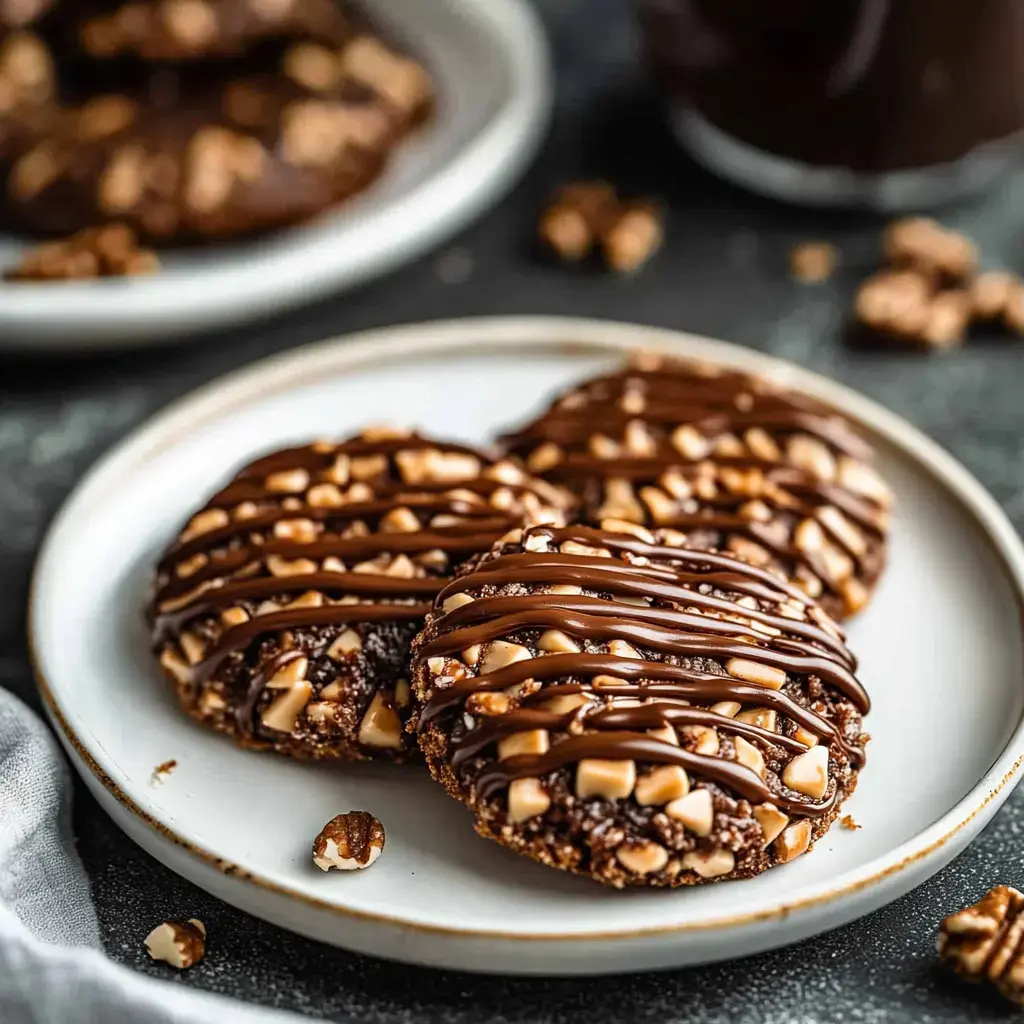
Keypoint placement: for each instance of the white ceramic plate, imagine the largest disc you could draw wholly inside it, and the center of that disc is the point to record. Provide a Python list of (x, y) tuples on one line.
[(490, 62), (941, 650)]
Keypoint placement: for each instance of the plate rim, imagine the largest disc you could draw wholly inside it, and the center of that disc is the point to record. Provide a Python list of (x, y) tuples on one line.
[(93, 315), (366, 349)]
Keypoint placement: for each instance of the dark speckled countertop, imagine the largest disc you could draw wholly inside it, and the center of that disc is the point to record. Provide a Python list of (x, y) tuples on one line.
[(723, 273)]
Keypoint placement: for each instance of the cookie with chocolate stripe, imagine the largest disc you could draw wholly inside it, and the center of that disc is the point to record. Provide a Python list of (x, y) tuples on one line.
[(733, 461), (284, 610), (611, 703)]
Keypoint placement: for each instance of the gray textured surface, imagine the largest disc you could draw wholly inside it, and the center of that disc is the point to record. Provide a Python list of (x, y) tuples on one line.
[(723, 273)]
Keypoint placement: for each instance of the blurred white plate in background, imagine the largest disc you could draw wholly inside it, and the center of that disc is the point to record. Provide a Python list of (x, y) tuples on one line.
[(491, 66), (940, 646)]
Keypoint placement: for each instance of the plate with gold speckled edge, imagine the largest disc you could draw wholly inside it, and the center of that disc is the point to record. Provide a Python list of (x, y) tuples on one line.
[(490, 63), (941, 649)]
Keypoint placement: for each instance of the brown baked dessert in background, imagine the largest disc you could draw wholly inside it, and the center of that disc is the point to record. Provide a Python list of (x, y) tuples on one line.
[(731, 461), (222, 119), (229, 156), (284, 610), (610, 703), (184, 30)]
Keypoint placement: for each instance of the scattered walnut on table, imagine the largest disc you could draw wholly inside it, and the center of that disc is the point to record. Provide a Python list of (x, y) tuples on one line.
[(635, 235), (349, 842), (929, 291), (589, 215), (985, 942), (927, 247), (813, 262), (178, 943)]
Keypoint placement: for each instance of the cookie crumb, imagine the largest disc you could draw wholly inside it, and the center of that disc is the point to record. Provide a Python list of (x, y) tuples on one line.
[(162, 771), (813, 262), (349, 842), (108, 251), (982, 942), (848, 822), (181, 944)]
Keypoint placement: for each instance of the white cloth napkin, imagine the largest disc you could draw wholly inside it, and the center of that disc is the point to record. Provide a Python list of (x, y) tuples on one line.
[(52, 970)]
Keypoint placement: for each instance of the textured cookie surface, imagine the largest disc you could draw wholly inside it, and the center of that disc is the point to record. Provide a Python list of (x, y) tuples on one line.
[(223, 155), (284, 610), (611, 704), (731, 460)]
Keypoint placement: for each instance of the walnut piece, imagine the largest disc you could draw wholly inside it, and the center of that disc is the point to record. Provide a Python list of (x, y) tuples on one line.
[(813, 262), (349, 842), (586, 214), (108, 251), (983, 942), (178, 943)]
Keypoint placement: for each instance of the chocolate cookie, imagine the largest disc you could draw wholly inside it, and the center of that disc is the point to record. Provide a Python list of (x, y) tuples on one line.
[(284, 610), (224, 158), (184, 30), (610, 704), (733, 461)]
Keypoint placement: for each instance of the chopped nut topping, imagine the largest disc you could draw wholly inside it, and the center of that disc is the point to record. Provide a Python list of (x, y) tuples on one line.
[(662, 785), (713, 864), (771, 820), (500, 654), (283, 713), (694, 810), (381, 727), (613, 780), (178, 943), (557, 642), (808, 773), (292, 672), (349, 842), (526, 799), (755, 672), (793, 842), (534, 741), (749, 756), (642, 858), (487, 704)]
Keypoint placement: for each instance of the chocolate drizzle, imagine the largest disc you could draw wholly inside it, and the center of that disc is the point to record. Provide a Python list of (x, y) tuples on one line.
[(301, 540), (673, 392), (696, 622), (614, 441)]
